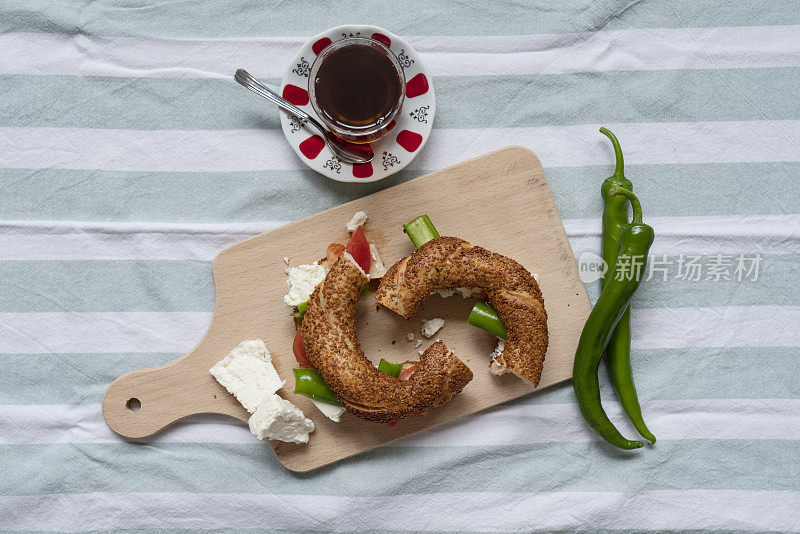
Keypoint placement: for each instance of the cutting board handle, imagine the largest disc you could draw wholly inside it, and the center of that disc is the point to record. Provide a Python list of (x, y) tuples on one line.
[(143, 402)]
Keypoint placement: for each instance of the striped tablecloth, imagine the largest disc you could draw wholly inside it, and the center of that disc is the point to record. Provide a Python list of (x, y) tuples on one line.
[(129, 158)]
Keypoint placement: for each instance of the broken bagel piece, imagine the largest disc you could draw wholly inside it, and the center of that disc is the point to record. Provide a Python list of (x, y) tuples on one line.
[(449, 263)]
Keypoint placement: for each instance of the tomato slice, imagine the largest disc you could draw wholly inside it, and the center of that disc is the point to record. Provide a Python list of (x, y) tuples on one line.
[(359, 249), (300, 351), (406, 373)]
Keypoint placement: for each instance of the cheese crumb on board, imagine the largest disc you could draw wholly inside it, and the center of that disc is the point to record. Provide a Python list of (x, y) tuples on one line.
[(331, 411), (302, 280), (277, 418), (377, 269), (248, 374), (286, 260), (431, 326), (359, 219), (418, 343), (410, 336)]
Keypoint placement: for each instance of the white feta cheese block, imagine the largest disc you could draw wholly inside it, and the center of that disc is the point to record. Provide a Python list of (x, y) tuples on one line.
[(376, 269), (248, 374), (302, 280), (431, 326), (331, 411), (279, 419), (358, 220)]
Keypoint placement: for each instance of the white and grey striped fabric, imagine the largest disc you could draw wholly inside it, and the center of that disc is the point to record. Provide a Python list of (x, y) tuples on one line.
[(129, 158)]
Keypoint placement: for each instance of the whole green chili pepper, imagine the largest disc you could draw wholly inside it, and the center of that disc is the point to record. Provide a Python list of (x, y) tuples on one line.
[(634, 243), (309, 382), (618, 351)]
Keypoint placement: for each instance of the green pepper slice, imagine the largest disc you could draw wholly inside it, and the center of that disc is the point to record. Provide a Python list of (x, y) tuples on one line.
[(301, 310), (484, 316), (391, 369), (309, 382)]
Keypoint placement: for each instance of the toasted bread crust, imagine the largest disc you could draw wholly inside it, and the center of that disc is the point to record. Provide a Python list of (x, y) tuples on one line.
[(330, 341), (450, 262)]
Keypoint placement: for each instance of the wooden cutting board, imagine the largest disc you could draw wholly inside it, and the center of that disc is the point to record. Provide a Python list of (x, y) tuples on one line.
[(500, 201)]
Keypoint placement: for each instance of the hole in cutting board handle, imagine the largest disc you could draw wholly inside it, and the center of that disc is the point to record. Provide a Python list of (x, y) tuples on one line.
[(133, 404)]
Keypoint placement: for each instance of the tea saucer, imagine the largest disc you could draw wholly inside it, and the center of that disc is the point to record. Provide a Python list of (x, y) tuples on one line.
[(397, 148)]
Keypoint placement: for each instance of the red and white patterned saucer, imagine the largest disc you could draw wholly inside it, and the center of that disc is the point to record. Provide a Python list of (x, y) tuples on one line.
[(397, 148)]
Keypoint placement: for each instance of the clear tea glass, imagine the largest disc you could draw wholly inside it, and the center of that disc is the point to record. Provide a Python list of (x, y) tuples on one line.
[(357, 87)]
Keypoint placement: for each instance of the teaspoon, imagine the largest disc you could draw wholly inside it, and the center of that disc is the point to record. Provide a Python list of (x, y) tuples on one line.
[(338, 147)]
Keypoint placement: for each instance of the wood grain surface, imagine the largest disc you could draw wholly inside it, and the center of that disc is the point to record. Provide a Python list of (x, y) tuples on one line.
[(500, 201)]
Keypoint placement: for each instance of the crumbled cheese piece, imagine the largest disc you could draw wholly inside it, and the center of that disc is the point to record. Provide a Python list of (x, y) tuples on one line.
[(247, 373), (286, 260), (535, 277), (418, 343), (279, 419), (331, 411), (497, 368), (359, 219), (420, 352), (432, 326), (302, 280), (410, 336), (444, 293), (377, 269)]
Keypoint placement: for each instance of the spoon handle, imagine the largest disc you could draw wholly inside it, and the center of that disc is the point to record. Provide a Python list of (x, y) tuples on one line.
[(246, 79)]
